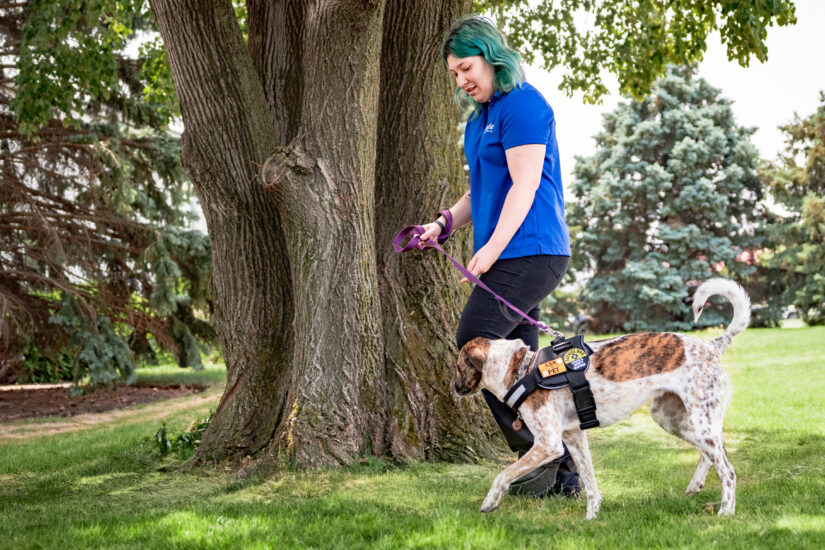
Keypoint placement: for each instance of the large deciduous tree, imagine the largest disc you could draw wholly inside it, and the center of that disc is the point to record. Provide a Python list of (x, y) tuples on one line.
[(634, 39), (309, 147), (334, 347), (670, 197)]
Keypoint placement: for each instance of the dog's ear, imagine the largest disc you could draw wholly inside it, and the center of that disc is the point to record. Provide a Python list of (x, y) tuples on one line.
[(475, 352)]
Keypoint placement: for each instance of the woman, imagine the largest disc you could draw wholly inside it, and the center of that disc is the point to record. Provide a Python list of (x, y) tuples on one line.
[(516, 206)]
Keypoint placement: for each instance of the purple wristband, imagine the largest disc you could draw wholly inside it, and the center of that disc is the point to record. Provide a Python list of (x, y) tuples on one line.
[(448, 228)]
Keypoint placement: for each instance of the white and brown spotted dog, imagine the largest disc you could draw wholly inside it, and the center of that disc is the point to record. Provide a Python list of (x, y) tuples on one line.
[(682, 375)]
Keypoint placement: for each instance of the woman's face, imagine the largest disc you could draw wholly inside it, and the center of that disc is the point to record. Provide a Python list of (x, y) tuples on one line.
[(474, 75)]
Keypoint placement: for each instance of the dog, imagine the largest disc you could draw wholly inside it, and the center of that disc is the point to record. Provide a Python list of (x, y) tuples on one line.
[(680, 375)]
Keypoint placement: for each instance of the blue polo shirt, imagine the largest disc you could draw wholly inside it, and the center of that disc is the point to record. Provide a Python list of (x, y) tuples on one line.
[(519, 117)]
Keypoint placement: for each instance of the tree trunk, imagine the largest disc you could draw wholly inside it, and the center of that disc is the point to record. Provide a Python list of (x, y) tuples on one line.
[(327, 358), (324, 178), (228, 136), (419, 172)]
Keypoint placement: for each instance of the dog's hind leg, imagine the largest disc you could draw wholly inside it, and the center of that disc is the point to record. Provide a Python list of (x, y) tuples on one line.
[(705, 419), (669, 412), (699, 476), (540, 453), (576, 441), (715, 447), (728, 506)]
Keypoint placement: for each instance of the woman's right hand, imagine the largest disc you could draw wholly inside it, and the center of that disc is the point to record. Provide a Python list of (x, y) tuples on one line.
[(431, 231)]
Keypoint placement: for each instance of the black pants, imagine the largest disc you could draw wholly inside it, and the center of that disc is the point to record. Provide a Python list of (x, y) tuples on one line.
[(524, 282)]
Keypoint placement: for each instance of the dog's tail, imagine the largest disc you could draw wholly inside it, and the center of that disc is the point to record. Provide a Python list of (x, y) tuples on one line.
[(739, 300)]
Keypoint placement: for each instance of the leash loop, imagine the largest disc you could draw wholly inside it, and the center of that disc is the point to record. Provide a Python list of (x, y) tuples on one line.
[(411, 231)]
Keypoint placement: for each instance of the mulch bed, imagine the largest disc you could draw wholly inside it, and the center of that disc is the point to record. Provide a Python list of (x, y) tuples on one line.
[(30, 403)]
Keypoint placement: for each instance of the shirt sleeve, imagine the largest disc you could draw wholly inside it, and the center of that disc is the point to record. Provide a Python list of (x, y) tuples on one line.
[(525, 119)]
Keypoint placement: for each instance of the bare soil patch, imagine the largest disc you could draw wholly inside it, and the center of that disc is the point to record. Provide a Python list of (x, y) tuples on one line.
[(21, 403)]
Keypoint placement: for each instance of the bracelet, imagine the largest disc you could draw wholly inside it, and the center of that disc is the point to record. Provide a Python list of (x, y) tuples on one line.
[(448, 229), (439, 224)]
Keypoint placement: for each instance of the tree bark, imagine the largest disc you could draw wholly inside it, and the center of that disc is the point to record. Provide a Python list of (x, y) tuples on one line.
[(334, 346), (419, 172), (325, 179), (276, 32), (228, 136)]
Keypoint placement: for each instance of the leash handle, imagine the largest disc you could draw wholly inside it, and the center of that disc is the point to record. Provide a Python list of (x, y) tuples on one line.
[(415, 231), (411, 231)]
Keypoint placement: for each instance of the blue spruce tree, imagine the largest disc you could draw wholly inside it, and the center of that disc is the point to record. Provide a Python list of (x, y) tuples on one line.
[(669, 199)]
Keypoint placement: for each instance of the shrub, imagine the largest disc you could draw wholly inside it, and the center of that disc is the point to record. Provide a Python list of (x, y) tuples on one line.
[(185, 443), (40, 368)]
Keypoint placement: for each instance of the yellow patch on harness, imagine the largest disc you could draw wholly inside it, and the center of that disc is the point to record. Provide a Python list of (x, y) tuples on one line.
[(573, 355), (554, 366)]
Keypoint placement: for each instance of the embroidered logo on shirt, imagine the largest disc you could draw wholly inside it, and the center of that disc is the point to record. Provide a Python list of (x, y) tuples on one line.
[(489, 128)]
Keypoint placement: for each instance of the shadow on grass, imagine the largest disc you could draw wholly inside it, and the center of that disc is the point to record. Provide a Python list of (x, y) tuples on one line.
[(94, 499)]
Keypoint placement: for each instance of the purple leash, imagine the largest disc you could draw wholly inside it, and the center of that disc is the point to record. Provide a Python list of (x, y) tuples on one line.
[(415, 231)]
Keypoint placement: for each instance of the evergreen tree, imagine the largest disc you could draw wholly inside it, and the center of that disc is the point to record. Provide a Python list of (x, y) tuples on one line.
[(94, 244), (669, 199), (797, 183)]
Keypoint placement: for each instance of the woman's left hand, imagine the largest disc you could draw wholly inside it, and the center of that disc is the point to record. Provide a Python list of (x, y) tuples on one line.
[(482, 261)]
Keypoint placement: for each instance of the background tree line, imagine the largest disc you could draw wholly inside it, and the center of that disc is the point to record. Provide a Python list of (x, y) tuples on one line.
[(676, 194), (313, 131)]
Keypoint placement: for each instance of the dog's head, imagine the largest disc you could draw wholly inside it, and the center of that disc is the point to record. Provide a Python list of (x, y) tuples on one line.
[(470, 363)]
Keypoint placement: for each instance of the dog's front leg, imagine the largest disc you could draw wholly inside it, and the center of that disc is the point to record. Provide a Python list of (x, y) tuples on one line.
[(540, 453), (576, 441)]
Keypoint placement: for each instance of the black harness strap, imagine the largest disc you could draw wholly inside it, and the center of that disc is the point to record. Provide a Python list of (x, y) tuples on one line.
[(583, 399), (522, 389), (573, 376)]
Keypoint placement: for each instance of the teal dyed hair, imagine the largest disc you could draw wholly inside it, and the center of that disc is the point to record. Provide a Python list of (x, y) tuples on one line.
[(475, 35)]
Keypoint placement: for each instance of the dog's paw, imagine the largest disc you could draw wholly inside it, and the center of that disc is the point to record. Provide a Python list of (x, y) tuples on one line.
[(593, 507), (693, 489), (489, 505)]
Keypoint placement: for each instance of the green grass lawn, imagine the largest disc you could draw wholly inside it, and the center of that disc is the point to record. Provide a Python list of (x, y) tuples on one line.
[(105, 487), (170, 373)]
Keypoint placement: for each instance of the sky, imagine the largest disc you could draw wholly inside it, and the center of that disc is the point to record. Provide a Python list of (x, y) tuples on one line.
[(765, 95)]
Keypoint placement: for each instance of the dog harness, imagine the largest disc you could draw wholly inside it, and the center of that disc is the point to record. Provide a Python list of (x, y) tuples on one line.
[(561, 364)]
